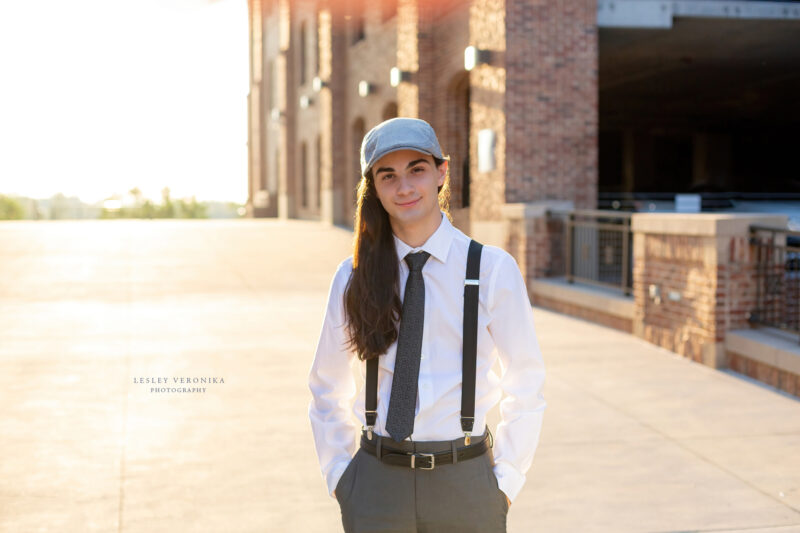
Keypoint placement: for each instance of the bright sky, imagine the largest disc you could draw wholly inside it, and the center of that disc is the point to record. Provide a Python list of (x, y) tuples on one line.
[(99, 96)]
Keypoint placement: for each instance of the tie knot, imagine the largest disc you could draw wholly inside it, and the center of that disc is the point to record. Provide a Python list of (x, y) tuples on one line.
[(416, 260)]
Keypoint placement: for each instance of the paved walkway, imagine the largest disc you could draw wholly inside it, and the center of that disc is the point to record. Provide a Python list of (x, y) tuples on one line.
[(635, 439)]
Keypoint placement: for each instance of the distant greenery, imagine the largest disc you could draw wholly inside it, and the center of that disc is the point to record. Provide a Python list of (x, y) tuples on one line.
[(131, 205), (169, 208), (11, 209)]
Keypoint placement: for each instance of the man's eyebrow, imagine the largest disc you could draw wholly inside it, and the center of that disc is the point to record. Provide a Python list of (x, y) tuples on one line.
[(411, 164)]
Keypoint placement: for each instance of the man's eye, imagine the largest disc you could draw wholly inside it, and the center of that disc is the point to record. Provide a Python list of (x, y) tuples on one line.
[(387, 176), (419, 168)]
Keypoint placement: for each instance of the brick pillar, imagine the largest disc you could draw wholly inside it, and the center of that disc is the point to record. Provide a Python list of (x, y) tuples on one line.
[(539, 96), (534, 239), (255, 110), (487, 111), (408, 57), (693, 280), (333, 147), (286, 100), (428, 99)]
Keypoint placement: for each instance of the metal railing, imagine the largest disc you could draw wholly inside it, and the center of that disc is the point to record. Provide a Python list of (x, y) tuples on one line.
[(598, 247), (777, 278)]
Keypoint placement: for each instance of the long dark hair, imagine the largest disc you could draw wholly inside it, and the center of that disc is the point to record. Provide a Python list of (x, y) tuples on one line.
[(372, 296)]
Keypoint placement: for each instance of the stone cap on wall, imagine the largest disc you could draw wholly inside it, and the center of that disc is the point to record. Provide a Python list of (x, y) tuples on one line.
[(703, 224), (775, 348), (526, 210), (599, 299)]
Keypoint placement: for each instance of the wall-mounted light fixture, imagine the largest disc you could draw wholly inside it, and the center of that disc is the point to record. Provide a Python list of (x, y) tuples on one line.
[(396, 76), (317, 84), (474, 56), (276, 113), (365, 88), (305, 102), (487, 140)]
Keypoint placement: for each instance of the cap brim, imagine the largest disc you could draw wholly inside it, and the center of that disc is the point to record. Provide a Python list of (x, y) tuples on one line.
[(397, 149)]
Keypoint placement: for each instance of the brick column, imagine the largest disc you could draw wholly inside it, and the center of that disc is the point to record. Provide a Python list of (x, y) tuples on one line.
[(487, 31), (333, 146), (538, 94), (408, 57), (535, 240), (693, 280), (286, 100), (255, 110)]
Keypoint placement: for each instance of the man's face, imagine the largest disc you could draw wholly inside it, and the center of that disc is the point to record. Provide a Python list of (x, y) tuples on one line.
[(407, 184)]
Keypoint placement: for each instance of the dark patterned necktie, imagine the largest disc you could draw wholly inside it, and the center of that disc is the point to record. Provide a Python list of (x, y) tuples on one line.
[(403, 401)]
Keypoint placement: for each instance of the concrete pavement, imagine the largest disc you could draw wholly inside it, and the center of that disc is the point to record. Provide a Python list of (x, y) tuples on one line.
[(635, 439)]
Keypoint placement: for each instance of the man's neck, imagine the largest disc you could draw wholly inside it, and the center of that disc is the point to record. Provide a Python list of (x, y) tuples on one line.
[(415, 235)]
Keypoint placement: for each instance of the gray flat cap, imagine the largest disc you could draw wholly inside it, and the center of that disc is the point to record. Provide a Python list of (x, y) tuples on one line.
[(401, 133)]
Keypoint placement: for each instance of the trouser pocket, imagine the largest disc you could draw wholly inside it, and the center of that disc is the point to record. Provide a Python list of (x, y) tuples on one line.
[(344, 488)]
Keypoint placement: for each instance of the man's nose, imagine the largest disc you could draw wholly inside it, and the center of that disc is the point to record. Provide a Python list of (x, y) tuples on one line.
[(405, 185)]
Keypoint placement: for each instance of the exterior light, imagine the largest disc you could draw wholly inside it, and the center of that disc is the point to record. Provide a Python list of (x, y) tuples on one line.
[(305, 102), (276, 113), (487, 141), (474, 56), (317, 84), (396, 76), (365, 88)]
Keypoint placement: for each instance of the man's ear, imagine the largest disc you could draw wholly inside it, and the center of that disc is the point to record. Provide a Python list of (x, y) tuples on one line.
[(442, 172)]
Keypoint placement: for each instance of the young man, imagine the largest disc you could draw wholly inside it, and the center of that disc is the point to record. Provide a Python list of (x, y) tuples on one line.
[(419, 468)]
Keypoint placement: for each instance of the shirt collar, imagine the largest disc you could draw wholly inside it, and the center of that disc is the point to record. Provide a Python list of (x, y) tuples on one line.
[(438, 244)]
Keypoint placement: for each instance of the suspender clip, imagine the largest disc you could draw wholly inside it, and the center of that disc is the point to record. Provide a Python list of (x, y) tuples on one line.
[(370, 415), (467, 438)]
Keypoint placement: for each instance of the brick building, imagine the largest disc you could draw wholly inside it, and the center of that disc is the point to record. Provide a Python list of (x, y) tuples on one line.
[(585, 104), (579, 104), (304, 142)]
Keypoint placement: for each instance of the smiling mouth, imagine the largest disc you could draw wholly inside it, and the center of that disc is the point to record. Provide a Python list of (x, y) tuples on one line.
[(409, 203)]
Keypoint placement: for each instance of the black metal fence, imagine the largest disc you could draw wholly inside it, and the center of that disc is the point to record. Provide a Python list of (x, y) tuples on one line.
[(598, 247), (777, 278)]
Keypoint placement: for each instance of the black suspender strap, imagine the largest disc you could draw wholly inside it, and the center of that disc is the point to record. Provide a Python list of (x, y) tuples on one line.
[(469, 354), (470, 339), (371, 395)]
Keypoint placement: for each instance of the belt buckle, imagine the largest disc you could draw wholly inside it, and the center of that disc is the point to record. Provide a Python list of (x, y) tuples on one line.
[(414, 456)]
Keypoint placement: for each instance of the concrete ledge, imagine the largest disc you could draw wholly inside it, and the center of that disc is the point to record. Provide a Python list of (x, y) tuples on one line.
[(526, 210), (769, 346), (702, 224), (605, 301)]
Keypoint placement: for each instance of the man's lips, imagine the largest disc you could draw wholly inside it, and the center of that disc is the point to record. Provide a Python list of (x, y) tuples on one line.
[(409, 204)]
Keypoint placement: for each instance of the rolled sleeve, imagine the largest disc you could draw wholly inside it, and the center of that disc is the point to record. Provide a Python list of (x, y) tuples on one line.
[(522, 376), (333, 387)]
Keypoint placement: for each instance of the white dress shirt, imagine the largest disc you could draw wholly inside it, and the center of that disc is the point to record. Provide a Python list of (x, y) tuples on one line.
[(505, 329)]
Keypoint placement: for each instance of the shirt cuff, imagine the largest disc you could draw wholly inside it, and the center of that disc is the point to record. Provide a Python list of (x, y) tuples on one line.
[(509, 480), (334, 476)]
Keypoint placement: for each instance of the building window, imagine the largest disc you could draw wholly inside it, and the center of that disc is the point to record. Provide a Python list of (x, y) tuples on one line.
[(390, 111), (271, 85), (357, 22), (303, 175), (302, 53), (316, 45), (319, 170), (388, 10)]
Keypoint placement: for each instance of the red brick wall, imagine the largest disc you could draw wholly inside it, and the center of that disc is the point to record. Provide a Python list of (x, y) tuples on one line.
[(592, 315), (676, 263), (780, 379), (714, 276), (551, 101)]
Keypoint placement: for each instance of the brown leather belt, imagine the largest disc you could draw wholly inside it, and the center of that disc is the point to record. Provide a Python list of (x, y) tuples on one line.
[(422, 460)]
